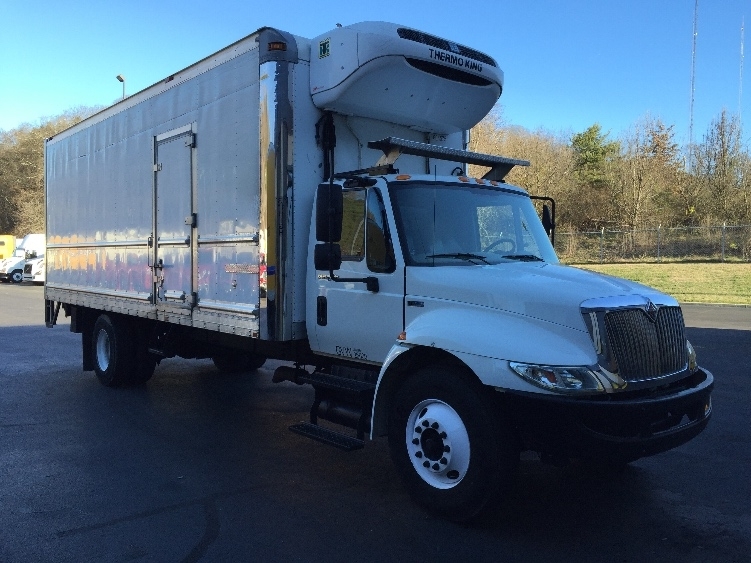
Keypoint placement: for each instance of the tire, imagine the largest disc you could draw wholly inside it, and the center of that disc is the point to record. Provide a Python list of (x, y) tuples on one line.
[(144, 364), (16, 276), (111, 351), (237, 362), (453, 455)]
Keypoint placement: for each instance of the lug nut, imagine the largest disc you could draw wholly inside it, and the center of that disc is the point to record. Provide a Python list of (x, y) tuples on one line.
[(443, 435), (415, 441), (426, 464), (418, 454), (447, 449), (418, 430), (436, 467), (425, 423), (444, 461), (434, 426)]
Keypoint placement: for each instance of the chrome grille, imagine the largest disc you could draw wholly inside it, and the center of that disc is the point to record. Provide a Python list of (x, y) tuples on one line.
[(644, 349)]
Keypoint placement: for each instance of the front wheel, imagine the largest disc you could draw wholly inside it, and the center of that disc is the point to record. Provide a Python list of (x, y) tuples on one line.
[(452, 452), (16, 276)]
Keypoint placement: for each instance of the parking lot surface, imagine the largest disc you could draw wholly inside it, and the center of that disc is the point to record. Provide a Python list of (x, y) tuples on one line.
[(198, 466)]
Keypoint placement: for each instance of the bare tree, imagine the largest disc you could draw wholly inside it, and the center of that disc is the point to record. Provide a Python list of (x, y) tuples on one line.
[(22, 171)]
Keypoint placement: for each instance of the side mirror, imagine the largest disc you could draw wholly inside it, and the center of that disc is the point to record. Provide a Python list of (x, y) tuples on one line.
[(327, 257), (329, 214), (547, 220)]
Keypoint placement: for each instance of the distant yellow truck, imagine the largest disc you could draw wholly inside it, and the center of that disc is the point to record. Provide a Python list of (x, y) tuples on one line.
[(7, 246)]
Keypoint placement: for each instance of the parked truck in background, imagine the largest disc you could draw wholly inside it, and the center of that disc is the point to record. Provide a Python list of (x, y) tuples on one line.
[(308, 200), (7, 246), (34, 270), (12, 267)]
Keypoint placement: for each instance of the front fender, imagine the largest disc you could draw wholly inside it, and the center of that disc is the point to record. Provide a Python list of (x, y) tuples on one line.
[(484, 340)]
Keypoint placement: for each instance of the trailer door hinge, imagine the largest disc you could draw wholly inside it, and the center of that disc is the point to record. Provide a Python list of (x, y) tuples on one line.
[(190, 141), (158, 167), (192, 220)]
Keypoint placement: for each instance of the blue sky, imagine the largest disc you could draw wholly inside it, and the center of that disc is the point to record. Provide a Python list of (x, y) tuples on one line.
[(567, 64)]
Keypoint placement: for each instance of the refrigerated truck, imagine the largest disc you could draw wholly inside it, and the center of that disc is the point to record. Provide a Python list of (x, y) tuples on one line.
[(308, 200)]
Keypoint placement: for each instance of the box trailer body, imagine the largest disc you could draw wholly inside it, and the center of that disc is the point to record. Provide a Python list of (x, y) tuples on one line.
[(250, 207)]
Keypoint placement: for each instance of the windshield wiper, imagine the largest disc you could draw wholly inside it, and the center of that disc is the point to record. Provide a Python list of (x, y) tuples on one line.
[(523, 257), (461, 256)]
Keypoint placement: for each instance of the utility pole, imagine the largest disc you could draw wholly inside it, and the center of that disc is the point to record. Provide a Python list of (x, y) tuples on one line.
[(693, 88), (740, 81)]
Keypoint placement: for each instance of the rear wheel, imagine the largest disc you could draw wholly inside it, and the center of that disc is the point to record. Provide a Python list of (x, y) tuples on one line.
[(448, 445), (111, 351)]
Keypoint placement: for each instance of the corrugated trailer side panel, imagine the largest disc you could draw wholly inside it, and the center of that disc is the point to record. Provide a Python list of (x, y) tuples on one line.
[(123, 185)]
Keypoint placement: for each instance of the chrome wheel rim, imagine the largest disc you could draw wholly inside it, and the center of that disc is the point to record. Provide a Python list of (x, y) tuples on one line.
[(437, 444), (103, 350)]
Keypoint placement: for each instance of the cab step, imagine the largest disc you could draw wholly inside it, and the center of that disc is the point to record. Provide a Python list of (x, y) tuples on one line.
[(321, 434), (336, 383)]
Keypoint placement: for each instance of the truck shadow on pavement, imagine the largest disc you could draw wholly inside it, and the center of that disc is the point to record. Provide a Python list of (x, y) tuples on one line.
[(193, 434)]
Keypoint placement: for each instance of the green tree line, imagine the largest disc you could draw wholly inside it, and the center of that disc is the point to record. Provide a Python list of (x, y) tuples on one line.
[(639, 180)]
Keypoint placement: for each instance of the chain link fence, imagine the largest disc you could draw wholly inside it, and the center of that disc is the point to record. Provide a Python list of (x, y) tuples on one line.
[(724, 243)]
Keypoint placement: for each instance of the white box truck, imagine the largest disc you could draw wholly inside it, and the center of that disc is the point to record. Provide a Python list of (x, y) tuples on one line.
[(308, 200)]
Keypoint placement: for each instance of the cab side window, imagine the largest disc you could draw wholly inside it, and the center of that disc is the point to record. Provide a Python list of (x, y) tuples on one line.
[(379, 251), (365, 232), (353, 226)]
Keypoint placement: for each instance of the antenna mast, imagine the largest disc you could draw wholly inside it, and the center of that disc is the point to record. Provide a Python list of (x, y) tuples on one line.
[(693, 79), (740, 81)]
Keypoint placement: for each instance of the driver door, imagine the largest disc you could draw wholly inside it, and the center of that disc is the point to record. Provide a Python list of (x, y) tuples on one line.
[(353, 322)]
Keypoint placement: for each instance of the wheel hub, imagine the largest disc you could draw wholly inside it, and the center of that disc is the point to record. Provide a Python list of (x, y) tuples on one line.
[(103, 350), (438, 444)]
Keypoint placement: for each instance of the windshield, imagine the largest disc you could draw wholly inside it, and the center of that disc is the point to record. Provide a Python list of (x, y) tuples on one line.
[(454, 224)]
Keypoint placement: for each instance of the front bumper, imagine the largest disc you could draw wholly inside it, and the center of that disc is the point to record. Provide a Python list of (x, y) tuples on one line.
[(618, 426)]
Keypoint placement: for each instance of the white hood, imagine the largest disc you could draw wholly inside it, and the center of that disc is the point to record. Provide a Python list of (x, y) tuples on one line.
[(547, 292)]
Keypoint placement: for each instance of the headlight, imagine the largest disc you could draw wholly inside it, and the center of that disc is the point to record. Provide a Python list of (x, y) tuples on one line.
[(563, 379), (692, 363)]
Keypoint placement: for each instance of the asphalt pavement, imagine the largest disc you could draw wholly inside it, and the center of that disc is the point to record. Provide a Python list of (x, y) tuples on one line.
[(199, 466)]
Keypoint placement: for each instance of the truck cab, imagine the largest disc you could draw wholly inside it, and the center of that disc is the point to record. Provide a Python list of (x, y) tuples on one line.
[(451, 289)]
